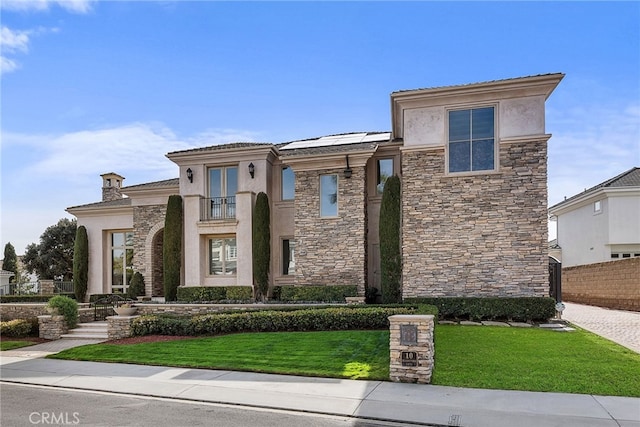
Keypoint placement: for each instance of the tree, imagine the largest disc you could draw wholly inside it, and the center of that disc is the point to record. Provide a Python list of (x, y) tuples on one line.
[(172, 247), (53, 256), (390, 253), (81, 264), (10, 261), (261, 246)]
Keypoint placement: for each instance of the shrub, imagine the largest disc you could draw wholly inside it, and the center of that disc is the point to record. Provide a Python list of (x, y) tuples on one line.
[(333, 293), (261, 236), (390, 253), (172, 247), (81, 263), (217, 294), (524, 309), (67, 307), (136, 286), (332, 318), (17, 328)]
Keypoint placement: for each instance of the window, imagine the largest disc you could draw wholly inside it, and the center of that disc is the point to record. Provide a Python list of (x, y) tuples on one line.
[(288, 183), (328, 195), (223, 256), (597, 207), (288, 257), (223, 186), (471, 140), (121, 261), (385, 170)]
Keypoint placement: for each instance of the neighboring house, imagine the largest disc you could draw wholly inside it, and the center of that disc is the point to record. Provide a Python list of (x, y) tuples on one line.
[(472, 161), (602, 223), (5, 279)]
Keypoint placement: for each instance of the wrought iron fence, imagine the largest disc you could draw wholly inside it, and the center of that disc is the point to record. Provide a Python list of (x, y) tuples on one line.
[(217, 208), (63, 287), (27, 288)]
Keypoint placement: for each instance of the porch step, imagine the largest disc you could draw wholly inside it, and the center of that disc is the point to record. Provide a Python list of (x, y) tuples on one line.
[(90, 330)]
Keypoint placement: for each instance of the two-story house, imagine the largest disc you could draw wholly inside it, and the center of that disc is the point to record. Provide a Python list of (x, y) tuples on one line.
[(472, 162)]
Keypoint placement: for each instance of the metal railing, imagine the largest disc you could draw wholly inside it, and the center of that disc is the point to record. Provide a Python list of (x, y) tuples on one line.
[(63, 287), (215, 208), (28, 288)]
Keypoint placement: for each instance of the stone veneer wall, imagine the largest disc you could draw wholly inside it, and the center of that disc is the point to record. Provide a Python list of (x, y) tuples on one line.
[(613, 284), (147, 222), (331, 251), (11, 311), (476, 235)]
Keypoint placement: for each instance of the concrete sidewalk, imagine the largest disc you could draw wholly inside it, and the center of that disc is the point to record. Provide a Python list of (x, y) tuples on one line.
[(374, 400)]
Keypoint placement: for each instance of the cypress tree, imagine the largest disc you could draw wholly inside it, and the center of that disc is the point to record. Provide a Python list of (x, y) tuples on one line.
[(81, 264), (172, 247), (10, 261), (390, 253), (261, 235)]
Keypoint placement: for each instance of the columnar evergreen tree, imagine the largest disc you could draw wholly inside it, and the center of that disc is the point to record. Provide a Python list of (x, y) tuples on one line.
[(10, 261), (81, 264), (390, 252), (261, 246), (172, 247)]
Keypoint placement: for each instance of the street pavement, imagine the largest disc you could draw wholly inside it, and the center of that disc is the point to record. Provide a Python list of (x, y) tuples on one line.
[(374, 400)]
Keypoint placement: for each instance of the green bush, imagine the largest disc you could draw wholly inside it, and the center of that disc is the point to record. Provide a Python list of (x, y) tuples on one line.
[(9, 299), (136, 286), (390, 247), (332, 293), (172, 247), (316, 319), (261, 236), (67, 307), (17, 328), (215, 294), (81, 263), (524, 309)]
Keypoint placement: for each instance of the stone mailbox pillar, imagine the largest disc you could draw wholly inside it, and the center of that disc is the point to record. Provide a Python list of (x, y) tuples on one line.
[(411, 348)]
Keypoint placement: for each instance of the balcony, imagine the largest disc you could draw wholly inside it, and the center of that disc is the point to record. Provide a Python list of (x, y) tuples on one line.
[(217, 208)]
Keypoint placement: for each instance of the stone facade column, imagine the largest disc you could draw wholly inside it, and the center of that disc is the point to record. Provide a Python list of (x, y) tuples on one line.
[(47, 287), (52, 327), (411, 348), (119, 327)]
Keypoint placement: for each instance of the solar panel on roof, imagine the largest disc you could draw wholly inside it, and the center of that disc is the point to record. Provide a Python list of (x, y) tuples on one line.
[(326, 141)]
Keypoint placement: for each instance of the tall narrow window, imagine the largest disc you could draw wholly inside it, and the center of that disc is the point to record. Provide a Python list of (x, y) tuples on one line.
[(223, 186), (121, 261), (385, 170), (288, 257), (223, 256), (471, 140), (328, 195), (288, 183)]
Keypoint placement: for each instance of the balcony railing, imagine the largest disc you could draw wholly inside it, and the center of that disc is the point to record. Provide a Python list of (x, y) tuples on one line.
[(216, 208)]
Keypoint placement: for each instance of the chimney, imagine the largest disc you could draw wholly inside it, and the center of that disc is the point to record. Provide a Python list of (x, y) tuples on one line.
[(111, 184)]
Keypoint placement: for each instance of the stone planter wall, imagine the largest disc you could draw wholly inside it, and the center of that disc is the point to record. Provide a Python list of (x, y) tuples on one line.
[(20, 310), (119, 327), (52, 327), (411, 348)]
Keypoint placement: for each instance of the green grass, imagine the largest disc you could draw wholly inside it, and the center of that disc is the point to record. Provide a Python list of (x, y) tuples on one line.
[(10, 345), (466, 356)]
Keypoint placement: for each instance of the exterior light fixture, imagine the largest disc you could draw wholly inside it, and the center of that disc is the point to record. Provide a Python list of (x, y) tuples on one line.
[(348, 171), (190, 175), (252, 170)]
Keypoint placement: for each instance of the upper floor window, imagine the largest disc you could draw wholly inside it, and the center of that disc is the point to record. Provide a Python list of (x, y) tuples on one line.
[(223, 186), (472, 140), (288, 183), (597, 207), (328, 195), (385, 170)]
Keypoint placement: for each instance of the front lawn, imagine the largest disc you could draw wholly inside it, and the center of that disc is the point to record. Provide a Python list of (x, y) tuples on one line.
[(10, 345), (466, 356)]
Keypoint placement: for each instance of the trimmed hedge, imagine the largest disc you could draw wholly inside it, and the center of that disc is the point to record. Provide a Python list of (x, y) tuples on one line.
[(217, 294), (524, 309), (17, 328), (9, 299), (334, 293), (325, 319)]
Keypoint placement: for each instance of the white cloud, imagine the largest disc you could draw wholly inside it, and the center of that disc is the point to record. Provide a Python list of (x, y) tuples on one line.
[(44, 174), (14, 41), (75, 6)]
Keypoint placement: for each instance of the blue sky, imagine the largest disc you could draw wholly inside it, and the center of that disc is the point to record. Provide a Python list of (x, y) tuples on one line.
[(93, 87)]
